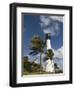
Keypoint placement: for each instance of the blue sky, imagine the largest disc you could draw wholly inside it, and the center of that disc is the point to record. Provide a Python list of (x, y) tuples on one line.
[(32, 25)]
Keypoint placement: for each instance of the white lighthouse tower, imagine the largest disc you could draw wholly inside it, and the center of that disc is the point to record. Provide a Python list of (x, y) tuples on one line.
[(48, 42), (49, 63)]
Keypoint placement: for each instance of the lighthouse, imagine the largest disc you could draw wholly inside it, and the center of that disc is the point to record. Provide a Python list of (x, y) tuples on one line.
[(47, 40), (49, 62)]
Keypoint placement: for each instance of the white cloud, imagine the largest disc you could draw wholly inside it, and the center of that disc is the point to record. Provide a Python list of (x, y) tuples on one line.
[(48, 30), (58, 18), (49, 24), (45, 21), (58, 53)]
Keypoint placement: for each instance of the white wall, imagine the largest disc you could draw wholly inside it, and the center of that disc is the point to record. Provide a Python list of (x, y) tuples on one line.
[(4, 43)]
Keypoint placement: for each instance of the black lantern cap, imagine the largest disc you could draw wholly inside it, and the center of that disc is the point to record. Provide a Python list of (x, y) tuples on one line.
[(47, 36)]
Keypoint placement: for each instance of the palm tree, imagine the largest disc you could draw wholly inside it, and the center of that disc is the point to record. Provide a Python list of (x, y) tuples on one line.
[(36, 47)]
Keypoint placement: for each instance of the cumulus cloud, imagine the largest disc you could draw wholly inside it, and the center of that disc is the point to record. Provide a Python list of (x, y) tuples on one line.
[(58, 53), (45, 21), (58, 18), (49, 24)]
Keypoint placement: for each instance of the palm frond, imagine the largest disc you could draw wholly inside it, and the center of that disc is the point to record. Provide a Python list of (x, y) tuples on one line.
[(33, 53)]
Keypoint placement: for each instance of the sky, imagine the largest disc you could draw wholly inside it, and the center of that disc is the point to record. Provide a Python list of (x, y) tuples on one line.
[(39, 25)]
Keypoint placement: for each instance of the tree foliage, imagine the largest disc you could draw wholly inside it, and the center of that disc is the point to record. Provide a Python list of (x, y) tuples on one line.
[(50, 54), (37, 46)]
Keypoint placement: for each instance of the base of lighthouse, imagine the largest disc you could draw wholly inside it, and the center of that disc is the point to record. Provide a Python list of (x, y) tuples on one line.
[(49, 66)]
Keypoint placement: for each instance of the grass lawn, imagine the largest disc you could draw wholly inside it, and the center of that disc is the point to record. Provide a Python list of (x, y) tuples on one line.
[(36, 73)]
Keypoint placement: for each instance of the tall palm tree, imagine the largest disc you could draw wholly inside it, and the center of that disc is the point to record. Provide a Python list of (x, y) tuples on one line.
[(36, 47)]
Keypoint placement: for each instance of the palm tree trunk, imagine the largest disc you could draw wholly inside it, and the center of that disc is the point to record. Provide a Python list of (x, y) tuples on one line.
[(40, 62)]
